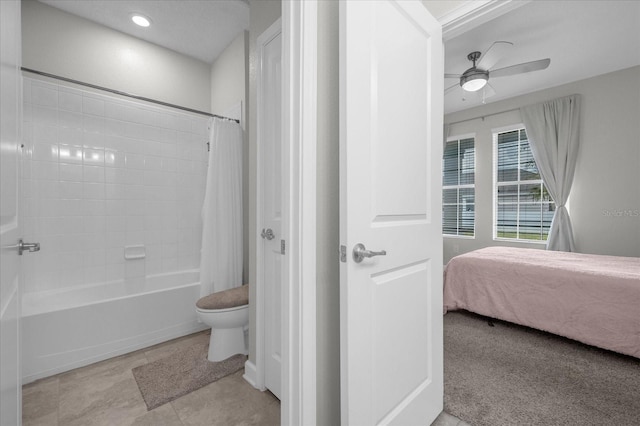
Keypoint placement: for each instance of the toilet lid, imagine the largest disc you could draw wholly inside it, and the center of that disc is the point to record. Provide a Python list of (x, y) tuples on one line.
[(231, 298)]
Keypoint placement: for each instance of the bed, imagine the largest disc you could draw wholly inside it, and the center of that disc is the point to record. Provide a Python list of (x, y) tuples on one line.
[(589, 298)]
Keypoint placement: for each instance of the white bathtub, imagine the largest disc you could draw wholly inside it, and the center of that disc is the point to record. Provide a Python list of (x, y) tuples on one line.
[(70, 328)]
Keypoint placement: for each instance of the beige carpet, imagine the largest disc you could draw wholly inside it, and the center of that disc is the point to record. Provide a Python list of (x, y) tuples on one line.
[(512, 375), (182, 372)]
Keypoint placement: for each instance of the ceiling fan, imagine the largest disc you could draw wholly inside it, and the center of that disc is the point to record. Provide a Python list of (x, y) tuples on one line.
[(477, 77)]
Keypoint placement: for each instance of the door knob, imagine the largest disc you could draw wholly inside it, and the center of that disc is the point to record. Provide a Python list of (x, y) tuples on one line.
[(268, 234), (22, 247), (360, 252)]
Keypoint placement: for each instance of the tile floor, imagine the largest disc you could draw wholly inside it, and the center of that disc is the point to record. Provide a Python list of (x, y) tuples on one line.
[(106, 394)]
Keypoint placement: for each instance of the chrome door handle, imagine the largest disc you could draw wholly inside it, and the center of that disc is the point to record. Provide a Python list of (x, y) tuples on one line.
[(22, 247), (360, 252), (268, 234)]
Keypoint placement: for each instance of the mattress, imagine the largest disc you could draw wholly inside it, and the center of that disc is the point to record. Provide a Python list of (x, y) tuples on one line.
[(593, 299)]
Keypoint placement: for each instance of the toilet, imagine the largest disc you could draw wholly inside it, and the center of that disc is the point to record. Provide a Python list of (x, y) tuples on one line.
[(227, 313)]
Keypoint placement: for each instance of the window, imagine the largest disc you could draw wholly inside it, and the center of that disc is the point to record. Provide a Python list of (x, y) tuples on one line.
[(458, 192), (523, 208)]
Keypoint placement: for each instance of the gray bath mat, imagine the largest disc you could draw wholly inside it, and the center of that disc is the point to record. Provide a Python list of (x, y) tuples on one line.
[(182, 372)]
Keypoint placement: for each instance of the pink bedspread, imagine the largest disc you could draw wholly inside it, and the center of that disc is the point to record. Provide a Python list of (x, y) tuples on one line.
[(590, 298)]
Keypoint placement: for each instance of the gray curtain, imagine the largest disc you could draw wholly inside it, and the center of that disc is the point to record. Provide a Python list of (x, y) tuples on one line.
[(552, 129)]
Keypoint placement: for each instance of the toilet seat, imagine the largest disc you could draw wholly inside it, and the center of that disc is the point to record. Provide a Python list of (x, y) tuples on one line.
[(227, 313), (226, 299)]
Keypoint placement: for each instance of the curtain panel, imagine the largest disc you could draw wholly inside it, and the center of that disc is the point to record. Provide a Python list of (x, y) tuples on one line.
[(553, 131)]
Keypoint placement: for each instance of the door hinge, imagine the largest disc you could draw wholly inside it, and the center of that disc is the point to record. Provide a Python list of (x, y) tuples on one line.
[(282, 247), (343, 254)]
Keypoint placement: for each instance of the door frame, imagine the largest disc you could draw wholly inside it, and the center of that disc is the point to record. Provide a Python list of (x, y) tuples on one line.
[(299, 106), (258, 379)]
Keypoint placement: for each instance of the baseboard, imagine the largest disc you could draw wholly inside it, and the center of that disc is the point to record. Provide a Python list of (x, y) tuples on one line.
[(251, 374)]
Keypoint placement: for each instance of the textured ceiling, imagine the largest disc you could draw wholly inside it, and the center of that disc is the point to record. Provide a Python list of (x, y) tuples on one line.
[(582, 38), (200, 29)]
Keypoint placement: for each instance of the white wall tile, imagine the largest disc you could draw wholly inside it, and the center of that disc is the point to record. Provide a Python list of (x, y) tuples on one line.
[(71, 154), (93, 106), (93, 258), (115, 256), (93, 157), (70, 189), (114, 272), (94, 174), (113, 158), (26, 90), (69, 101), (44, 134), (116, 223), (69, 136), (153, 251), (93, 207), (44, 170), (170, 265), (134, 238), (66, 119), (95, 274), (45, 152), (70, 172), (44, 95), (134, 161), (94, 224), (153, 267), (134, 268), (100, 174)]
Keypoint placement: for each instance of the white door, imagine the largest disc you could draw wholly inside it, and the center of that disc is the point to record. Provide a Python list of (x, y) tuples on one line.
[(391, 113), (10, 231), (269, 187)]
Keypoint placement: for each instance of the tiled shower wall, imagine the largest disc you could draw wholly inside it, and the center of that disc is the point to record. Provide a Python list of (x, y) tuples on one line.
[(101, 173)]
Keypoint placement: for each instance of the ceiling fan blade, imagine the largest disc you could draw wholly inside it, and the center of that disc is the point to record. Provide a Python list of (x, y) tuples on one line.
[(486, 92), (521, 68), (494, 54), (451, 88), (452, 75)]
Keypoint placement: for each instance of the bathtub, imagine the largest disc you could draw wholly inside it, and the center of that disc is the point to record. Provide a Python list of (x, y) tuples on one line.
[(73, 327)]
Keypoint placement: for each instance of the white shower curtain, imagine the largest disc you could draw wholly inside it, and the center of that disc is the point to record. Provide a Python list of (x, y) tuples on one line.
[(221, 253)]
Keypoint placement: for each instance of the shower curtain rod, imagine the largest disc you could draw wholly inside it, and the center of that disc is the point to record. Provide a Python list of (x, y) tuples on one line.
[(128, 95), (482, 116)]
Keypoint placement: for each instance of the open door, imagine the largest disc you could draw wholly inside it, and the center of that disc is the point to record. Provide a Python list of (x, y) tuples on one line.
[(10, 230), (391, 113)]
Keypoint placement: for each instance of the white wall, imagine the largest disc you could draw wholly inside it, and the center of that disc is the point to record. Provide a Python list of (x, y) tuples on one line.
[(605, 198), (101, 173), (229, 78), (328, 219), (228, 75), (10, 138), (59, 43)]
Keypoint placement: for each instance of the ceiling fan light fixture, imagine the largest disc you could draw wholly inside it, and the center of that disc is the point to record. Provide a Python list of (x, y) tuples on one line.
[(474, 82), (140, 20)]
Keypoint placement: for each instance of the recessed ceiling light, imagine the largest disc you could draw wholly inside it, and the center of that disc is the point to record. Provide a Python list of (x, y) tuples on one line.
[(140, 20)]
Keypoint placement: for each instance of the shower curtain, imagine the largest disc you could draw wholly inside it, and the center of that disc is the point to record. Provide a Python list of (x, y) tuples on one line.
[(221, 252)]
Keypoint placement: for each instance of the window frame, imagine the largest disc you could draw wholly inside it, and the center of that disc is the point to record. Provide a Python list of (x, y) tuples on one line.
[(495, 132), (458, 138)]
